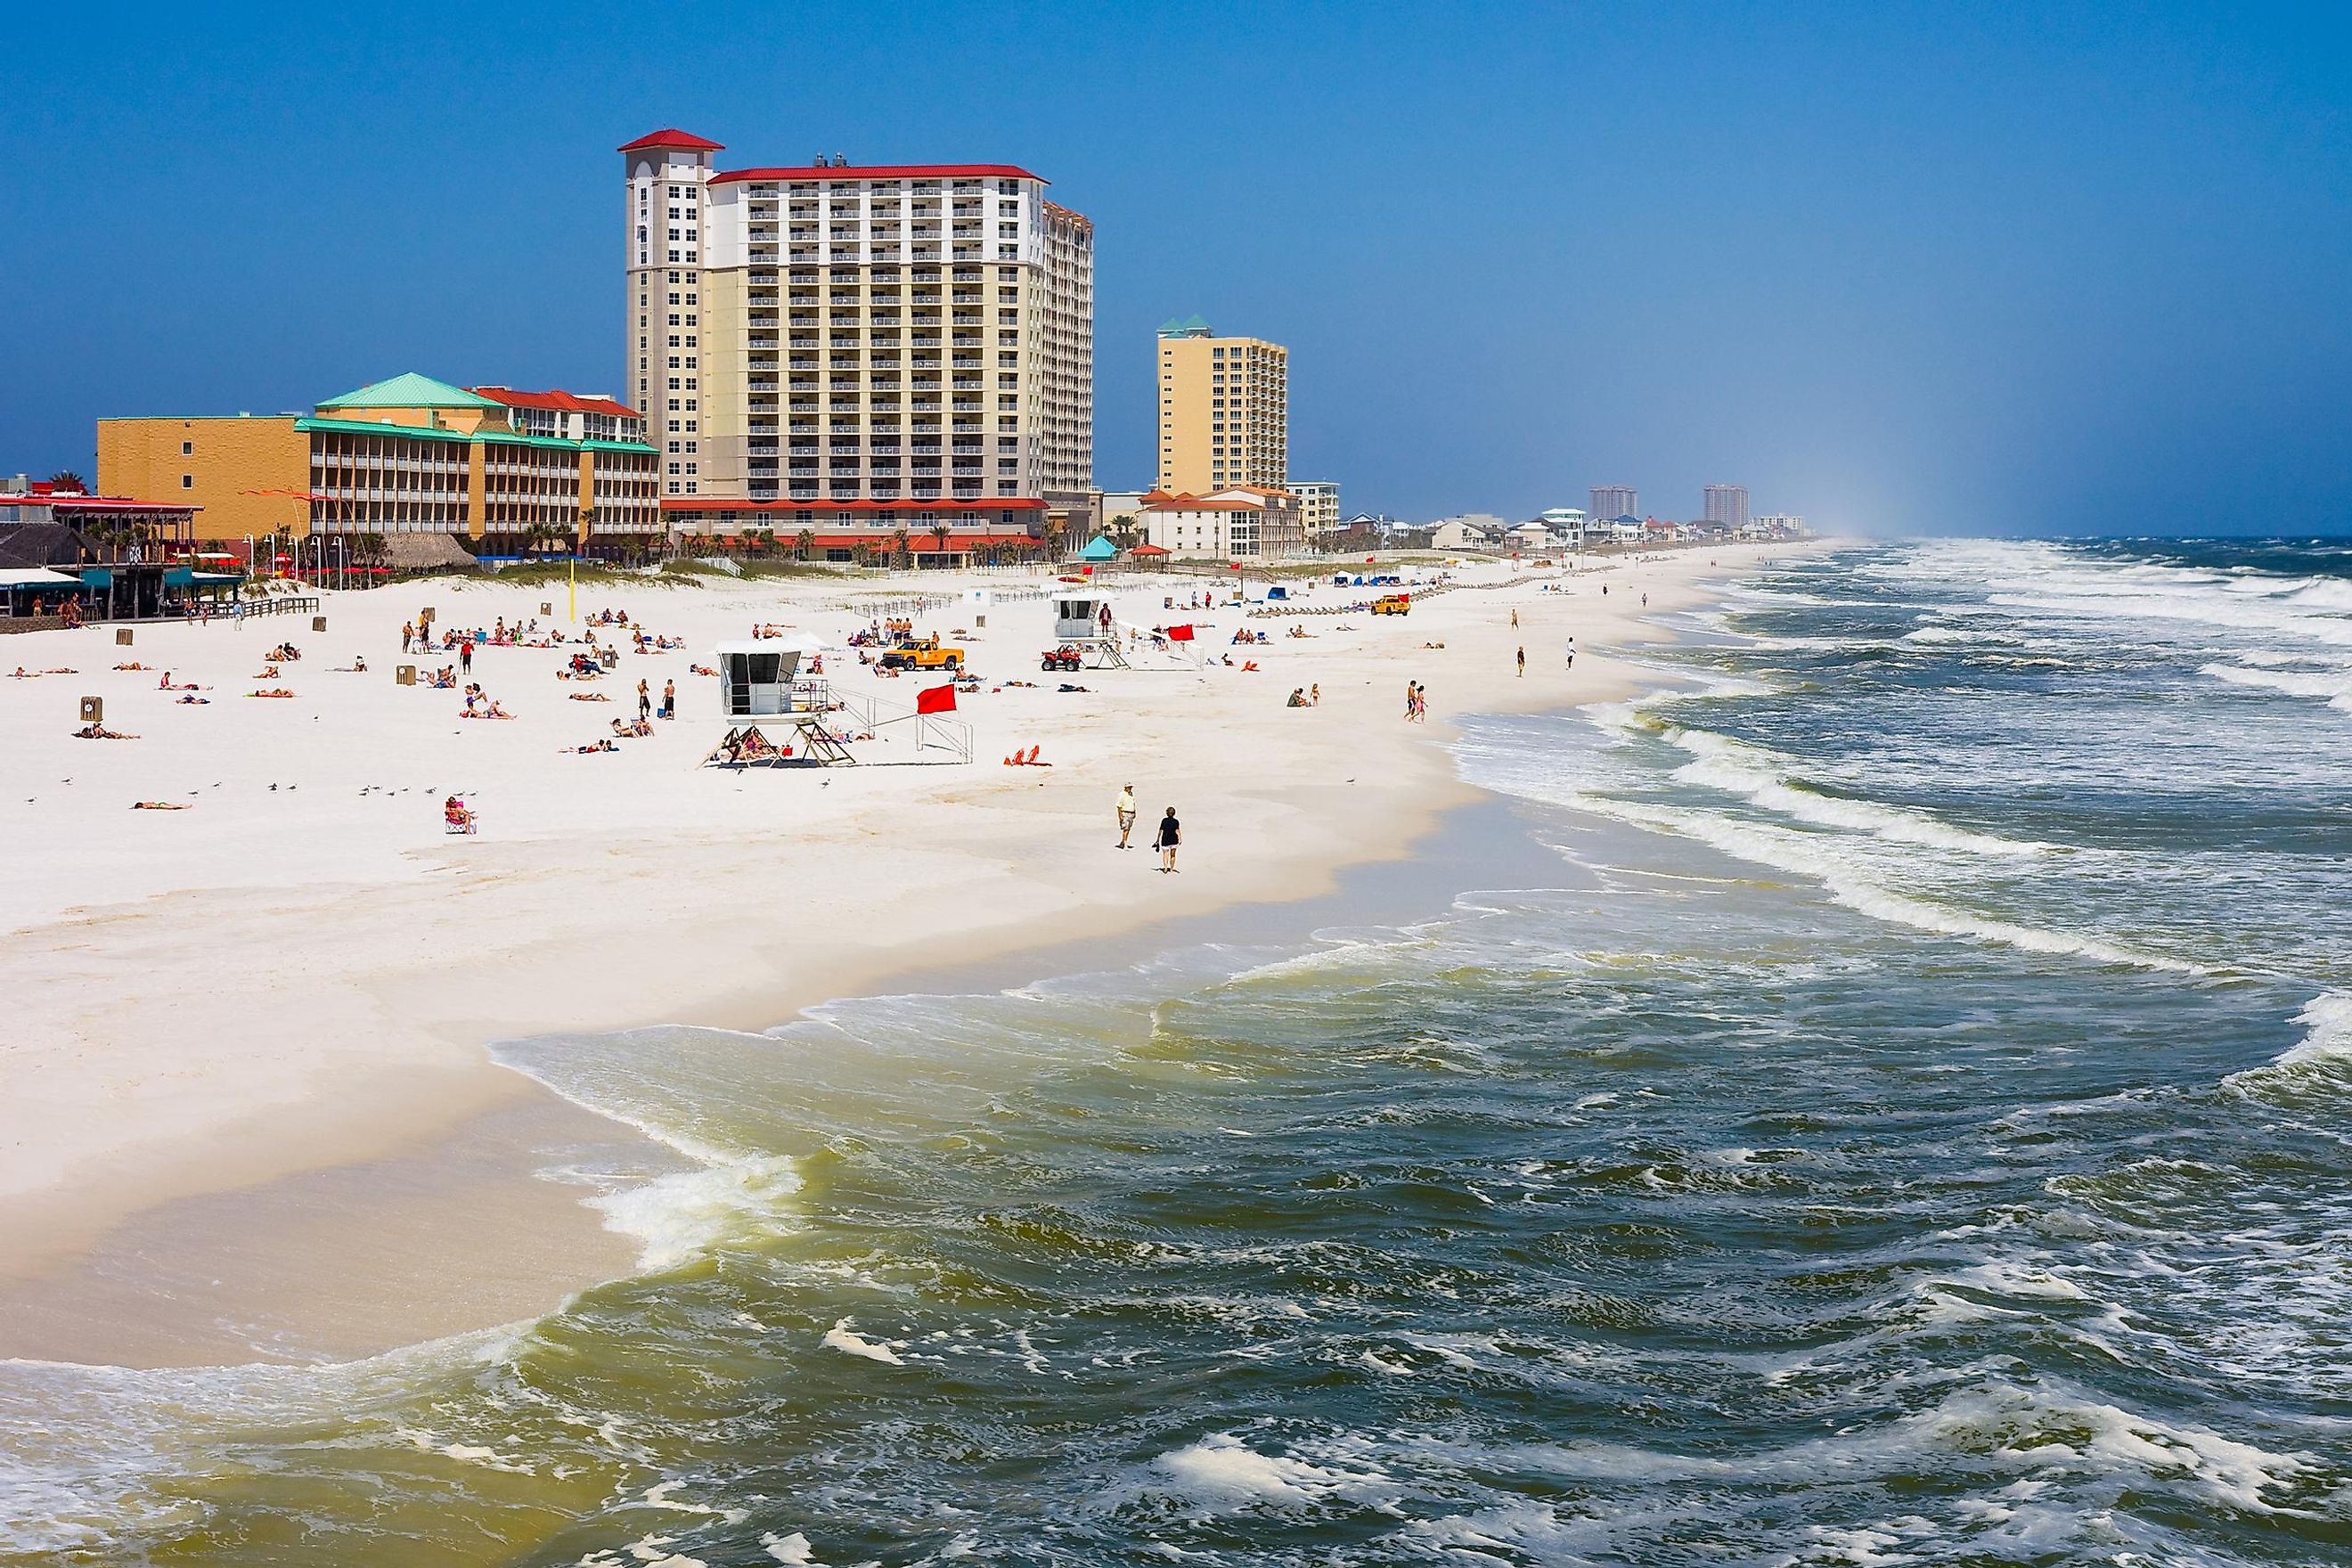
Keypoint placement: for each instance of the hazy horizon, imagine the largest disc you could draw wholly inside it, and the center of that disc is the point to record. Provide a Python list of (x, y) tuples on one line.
[(2012, 270)]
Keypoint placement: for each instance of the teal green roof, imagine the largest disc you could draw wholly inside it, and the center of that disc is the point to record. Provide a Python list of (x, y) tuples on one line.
[(1099, 548), (409, 391)]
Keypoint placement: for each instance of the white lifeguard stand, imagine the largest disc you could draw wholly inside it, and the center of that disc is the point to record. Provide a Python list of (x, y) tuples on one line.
[(760, 683), (1088, 623)]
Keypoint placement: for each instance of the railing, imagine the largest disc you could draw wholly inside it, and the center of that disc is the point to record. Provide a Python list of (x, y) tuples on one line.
[(292, 604)]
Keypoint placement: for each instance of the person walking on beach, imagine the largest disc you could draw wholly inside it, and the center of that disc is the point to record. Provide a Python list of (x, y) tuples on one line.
[(466, 656), (1523, 661), (407, 635), (1571, 650), (1514, 618), (645, 701), (1411, 699), (1170, 833), (1126, 809)]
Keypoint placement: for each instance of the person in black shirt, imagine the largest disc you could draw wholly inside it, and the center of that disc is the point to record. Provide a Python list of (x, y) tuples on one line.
[(1171, 833)]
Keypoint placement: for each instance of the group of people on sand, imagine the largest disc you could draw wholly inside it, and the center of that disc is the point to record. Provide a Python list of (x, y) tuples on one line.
[(480, 705), (1306, 696), (1416, 702), (1169, 835)]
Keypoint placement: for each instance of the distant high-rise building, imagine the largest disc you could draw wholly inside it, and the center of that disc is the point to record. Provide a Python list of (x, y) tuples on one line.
[(1225, 415), (1614, 500), (1319, 499), (1727, 506), (848, 351)]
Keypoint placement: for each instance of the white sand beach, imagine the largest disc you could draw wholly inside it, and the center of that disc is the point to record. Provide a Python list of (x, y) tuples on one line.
[(246, 1039)]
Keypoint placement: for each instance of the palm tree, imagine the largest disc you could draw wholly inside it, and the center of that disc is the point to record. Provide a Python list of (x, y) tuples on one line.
[(66, 480), (1123, 531), (1056, 534), (806, 542), (939, 536), (899, 547)]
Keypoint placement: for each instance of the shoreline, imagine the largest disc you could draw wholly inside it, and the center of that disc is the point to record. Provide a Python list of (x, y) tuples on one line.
[(369, 1137)]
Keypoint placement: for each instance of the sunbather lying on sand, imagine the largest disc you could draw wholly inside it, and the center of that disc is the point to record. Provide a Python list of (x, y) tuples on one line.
[(604, 745), (157, 806), (100, 732), (130, 666), (273, 691), (589, 697), (194, 702)]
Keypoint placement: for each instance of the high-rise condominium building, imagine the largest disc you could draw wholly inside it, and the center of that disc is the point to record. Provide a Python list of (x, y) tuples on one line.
[(851, 349), (1614, 501), (1726, 505), (1224, 415)]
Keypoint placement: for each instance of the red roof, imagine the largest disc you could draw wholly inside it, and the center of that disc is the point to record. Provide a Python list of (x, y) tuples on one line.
[(885, 171), (71, 501), (958, 503), (1149, 549), (673, 137), (560, 401)]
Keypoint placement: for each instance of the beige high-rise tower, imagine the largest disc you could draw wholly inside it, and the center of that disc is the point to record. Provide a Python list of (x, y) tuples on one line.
[(1223, 410), (849, 350)]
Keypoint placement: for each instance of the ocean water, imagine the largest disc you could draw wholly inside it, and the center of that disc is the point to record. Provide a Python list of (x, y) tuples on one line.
[(1895, 1110)]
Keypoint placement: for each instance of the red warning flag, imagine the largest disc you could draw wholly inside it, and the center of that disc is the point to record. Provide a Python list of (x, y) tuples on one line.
[(935, 700), (1180, 634)]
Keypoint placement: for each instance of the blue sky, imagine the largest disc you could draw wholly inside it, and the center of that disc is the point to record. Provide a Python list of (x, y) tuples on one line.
[(1897, 267)]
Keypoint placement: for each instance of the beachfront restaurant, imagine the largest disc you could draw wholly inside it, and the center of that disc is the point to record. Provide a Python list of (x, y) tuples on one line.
[(148, 590), (35, 592)]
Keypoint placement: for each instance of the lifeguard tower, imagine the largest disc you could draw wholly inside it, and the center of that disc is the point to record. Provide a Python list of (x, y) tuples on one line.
[(1089, 625), (761, 687)]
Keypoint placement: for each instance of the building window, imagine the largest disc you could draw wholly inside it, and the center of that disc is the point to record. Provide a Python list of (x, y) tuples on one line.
[(188, 448), (187, 481)]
